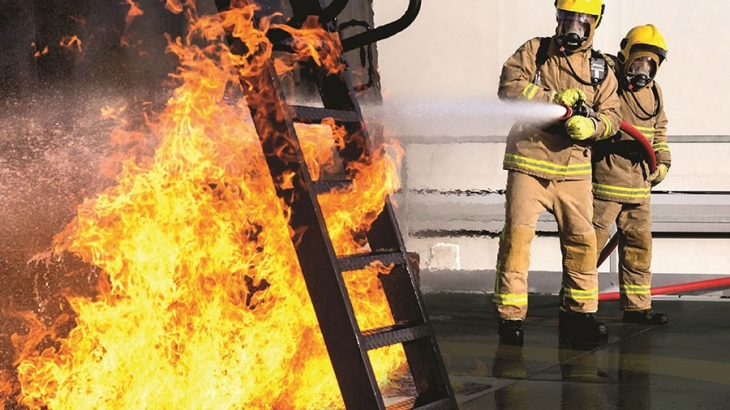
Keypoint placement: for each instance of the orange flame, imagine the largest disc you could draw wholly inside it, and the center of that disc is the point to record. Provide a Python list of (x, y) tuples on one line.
[(312, 41), (71, 41), (174, 6), (134, 12), (202, 301), (39, 53)]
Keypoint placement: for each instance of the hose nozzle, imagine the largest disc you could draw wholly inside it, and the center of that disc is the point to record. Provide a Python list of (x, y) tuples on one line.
[(568, 112), (580, 108)]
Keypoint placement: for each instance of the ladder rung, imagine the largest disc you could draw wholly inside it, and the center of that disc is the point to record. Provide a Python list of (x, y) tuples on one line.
[(316, 114), (392, 335), (442, 404), (325, 187), (357, 262)]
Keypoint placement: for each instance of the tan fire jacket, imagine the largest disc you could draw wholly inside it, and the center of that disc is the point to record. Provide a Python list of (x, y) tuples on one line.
[(619, 163), (546, 150)]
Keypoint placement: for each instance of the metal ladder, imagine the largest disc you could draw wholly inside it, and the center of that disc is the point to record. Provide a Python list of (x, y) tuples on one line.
[(347, 344)]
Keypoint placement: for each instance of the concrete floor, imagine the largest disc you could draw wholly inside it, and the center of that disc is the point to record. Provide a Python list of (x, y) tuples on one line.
[(683, 365)]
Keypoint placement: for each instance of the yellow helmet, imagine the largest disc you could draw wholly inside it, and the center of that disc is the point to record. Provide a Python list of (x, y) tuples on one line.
[(592, 7), (643, 38)]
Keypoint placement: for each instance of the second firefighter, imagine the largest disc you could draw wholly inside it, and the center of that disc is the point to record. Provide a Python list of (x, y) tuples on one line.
[(622, 180)]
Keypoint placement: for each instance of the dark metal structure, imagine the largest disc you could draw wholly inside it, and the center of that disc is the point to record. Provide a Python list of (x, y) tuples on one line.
[(348, 345)]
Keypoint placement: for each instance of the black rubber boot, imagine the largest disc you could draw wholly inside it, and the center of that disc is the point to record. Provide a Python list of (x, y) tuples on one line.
[(510, 333), (645, 317), (582, 326)]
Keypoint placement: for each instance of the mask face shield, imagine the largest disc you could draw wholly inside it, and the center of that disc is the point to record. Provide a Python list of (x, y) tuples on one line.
[(574, 28), (640, 72)]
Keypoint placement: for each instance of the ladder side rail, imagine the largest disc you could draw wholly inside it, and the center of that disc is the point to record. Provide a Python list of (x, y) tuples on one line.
[(402, 291), (406, 304), (313, 246), (316, 257)]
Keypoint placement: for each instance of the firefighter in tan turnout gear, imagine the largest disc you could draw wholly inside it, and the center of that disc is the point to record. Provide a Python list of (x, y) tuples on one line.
[(549, 168), (622, 180)]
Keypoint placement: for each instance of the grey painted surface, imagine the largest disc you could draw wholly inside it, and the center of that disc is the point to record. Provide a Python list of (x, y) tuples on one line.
[(473, 165), (483, 212)]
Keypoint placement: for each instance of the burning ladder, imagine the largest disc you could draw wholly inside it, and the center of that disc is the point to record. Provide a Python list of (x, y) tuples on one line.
[(347, 345)]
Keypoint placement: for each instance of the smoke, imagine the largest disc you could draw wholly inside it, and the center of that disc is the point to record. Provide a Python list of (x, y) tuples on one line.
[(458, 118)]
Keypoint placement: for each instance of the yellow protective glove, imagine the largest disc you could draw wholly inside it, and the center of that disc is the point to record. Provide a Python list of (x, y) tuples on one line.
[(569, 97), (658, 176), (580, 128)]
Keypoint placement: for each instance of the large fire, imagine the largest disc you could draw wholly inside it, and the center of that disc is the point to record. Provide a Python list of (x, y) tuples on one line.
[(202, 303)]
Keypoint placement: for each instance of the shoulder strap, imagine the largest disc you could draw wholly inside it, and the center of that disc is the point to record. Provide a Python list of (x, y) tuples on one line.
[(541, 57), (542, 52), (612, 62)]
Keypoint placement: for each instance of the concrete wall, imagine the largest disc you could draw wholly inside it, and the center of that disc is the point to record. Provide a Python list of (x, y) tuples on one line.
[(455, 49), (439, 81)]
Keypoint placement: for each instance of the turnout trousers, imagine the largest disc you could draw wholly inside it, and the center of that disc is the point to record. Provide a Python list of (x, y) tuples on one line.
[(571, 202), (633, 222)]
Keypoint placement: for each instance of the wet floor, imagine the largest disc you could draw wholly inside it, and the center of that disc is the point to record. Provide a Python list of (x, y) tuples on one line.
[(683, 365)]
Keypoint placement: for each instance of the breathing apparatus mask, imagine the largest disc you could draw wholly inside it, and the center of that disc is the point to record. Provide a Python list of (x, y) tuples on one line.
[(574, 29), (640, 72), (640, 62)]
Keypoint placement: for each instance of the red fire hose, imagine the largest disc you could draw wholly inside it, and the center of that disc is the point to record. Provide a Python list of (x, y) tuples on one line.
[(641, 139), (721, 283), (629, 129)]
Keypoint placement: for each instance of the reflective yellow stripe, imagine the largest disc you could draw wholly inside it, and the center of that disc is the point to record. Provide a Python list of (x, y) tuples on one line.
[(510, 299), (661, 146), (621, 191), (545, 166), (636, 289), (648, 132), (579, 294), (529, 92), (609, 129)]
